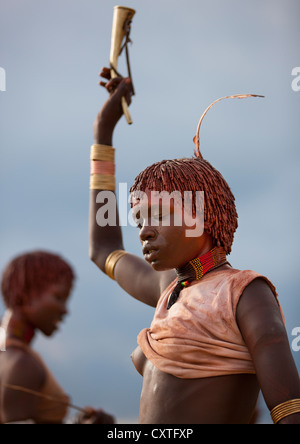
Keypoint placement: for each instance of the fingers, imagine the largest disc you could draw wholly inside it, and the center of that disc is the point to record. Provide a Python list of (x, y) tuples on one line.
[(104, 418), (112, 83), (97, 416), (105, 73), (88, 412), (119, 87)]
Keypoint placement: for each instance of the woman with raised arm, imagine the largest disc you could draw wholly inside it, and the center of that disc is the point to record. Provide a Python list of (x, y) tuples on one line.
[(218, 335), (36, 288)]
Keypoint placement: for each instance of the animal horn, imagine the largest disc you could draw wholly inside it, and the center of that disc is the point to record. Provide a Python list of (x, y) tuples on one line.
[(121, 26)]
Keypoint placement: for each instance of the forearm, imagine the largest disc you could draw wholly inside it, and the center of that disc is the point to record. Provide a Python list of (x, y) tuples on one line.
[(105, 232), (276, 371), (104, 227), (103, 239), (103, 133), (278, 375)]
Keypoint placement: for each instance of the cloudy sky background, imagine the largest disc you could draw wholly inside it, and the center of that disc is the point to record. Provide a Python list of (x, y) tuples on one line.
[(185, 54)]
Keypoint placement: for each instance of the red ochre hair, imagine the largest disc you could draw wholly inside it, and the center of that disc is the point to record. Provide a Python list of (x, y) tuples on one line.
[(197, 174), (30, 274)]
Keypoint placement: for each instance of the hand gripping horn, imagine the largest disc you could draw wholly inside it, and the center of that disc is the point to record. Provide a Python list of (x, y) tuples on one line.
[(121, 27)]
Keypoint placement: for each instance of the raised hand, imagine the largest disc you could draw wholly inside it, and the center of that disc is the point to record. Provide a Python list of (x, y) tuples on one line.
[(111, 111)]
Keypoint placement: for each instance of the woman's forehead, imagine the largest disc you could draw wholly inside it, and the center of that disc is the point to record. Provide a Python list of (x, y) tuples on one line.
[(154, 198)]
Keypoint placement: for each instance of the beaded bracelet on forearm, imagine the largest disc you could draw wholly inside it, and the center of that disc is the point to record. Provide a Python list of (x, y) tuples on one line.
[(102, 168), (103, 178), (285, 409)]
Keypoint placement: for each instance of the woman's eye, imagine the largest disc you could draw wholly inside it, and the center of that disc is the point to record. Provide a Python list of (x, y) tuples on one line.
[(161, 215)]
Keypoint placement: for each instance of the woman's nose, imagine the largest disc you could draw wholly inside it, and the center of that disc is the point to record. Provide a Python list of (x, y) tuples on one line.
[(147, 232)]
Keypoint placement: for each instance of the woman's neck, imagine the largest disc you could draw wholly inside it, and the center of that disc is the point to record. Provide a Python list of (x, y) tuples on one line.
[(16, 327)]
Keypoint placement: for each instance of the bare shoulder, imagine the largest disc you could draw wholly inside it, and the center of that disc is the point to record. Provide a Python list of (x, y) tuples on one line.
[(258, 293), (22, 368), (259, 316), (22, 374)]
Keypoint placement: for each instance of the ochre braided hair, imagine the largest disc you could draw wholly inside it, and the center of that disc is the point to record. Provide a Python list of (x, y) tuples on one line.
[(29, 274), (197, 174)]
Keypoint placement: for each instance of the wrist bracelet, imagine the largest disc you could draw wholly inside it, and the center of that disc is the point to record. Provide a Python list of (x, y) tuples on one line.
[(111, 262), (285, 409), (102, 168), (102, 182), (103, 152)]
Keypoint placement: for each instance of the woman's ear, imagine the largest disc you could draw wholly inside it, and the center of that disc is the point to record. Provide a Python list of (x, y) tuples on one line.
[(23, 300)]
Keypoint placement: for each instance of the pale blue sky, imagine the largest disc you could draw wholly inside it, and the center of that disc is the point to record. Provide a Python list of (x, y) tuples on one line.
[(185, 54)]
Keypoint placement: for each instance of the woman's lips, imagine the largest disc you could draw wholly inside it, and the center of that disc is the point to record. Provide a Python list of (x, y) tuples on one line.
[(151, 255), (57, 322)]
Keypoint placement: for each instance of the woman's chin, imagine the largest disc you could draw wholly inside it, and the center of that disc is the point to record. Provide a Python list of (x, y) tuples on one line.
[(159, 266)]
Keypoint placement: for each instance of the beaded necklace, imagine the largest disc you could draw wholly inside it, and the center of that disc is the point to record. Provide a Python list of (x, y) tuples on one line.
[(195, 269)]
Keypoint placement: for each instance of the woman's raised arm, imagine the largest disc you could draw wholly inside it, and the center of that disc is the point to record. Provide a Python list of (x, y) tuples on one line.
[(132, 273)]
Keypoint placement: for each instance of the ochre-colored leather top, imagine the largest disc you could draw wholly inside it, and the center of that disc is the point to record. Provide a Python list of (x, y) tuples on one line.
[(198, 337)]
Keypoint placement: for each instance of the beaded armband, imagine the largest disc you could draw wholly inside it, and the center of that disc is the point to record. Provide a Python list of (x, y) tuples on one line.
[(102, 168)]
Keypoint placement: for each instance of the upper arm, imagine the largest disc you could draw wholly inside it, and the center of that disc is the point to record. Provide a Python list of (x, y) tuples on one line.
[(139, 279), (260, 321), (25, 373), (259, 316)]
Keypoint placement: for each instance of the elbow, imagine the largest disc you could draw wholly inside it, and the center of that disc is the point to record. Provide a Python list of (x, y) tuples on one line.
[(97, 257), (92, 255)]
